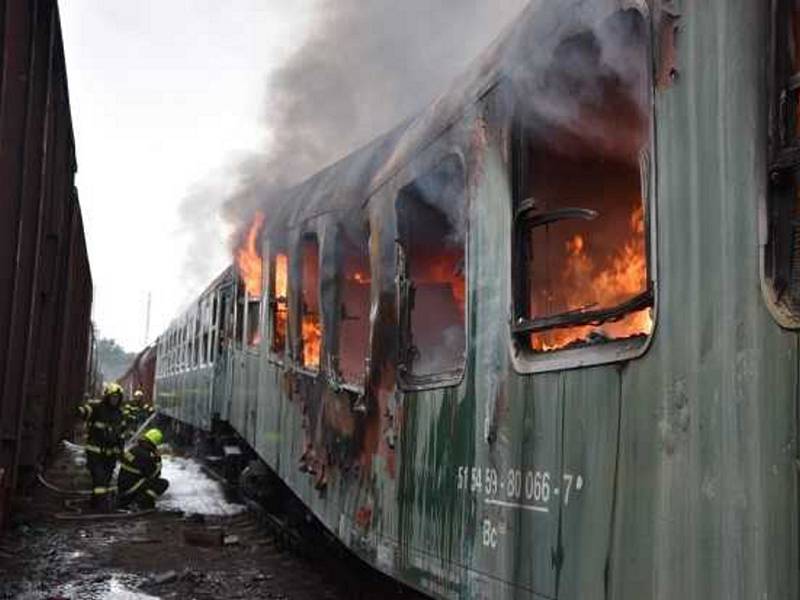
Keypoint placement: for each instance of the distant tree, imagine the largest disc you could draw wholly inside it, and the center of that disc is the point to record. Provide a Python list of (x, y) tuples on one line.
[(113, 359)]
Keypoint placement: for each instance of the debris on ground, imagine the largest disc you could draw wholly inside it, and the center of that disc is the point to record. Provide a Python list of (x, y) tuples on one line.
[(150, 557)]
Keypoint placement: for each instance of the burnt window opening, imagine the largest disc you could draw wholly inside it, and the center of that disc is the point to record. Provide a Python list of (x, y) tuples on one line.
[(253, 321), (310, 307), (214, 328), (581, 268), (278, 302), (222, 323), (782, 252), (431, 274), (239, 316), (208, 323), (197, 358), (354, 301), (185, 344)]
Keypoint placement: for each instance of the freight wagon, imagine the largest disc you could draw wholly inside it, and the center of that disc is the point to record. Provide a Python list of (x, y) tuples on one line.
[(45, 282), (540, 340)]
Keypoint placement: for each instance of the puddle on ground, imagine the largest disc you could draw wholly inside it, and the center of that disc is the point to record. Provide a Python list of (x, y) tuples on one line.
[(119, 591), (117, 587)]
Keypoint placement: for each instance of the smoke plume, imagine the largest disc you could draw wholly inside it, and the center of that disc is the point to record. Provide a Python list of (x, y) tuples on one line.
[(365, 67)]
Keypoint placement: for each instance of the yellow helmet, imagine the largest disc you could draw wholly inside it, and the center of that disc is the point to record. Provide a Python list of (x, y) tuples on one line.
[(110, 389), (154, 436), (138, 394)]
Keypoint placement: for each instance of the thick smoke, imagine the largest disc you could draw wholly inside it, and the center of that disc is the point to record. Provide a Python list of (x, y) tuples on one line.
[(365, 67)]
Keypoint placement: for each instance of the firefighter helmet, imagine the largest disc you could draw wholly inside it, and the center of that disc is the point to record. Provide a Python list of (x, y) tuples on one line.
[(154, 436), (138, 394), (112, 389)]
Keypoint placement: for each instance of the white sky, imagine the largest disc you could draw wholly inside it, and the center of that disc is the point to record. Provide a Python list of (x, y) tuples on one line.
[(165, 94)]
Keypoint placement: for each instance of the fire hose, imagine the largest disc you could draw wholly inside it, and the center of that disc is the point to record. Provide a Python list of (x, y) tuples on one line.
[(58, 490), (139, 431)]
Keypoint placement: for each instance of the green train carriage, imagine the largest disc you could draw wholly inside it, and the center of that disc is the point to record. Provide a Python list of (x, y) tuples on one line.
[(538, 341)]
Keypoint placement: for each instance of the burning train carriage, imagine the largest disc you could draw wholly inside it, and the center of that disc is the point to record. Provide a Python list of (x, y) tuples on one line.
[(457, 361)]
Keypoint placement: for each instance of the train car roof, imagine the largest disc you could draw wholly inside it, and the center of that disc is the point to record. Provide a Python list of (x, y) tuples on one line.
[(523, 51)]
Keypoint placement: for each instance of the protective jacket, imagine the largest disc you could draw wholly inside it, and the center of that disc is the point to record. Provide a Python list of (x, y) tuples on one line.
[(134, 415), (104, 423), (140, 475)]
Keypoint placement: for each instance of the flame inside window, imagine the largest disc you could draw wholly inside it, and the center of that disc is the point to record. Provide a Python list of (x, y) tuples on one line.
[(278, 301), (311, 321), (580, 214), (576, 265)]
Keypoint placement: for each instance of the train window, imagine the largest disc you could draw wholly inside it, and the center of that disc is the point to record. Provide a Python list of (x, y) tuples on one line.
[(206, 328), (354, 302), (781, 252), (278, 307), (222, 324), (214, 328), (581, 273), (253, 321), (198, 359), (190, 345), (310, 307), (239, 316), (431, 275)]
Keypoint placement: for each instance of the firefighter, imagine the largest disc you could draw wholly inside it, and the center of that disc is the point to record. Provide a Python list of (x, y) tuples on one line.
[(103, 442), (135, 412), (140, 480)]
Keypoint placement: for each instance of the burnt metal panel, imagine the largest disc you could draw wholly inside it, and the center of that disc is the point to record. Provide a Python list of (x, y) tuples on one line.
[(706, 496)]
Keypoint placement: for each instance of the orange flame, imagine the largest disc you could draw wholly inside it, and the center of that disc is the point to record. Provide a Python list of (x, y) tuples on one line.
[(281, 276), (280, 290), (359, 277), (312, 341), (624, 277), (446, 268), (248, 259)]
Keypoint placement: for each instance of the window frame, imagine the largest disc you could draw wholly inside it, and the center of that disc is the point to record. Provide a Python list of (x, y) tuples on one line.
[(252, 303), (406, 381), (521, 226), (274, 357), (237, 316), (527, 361), (335, 375), (295, 305)]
